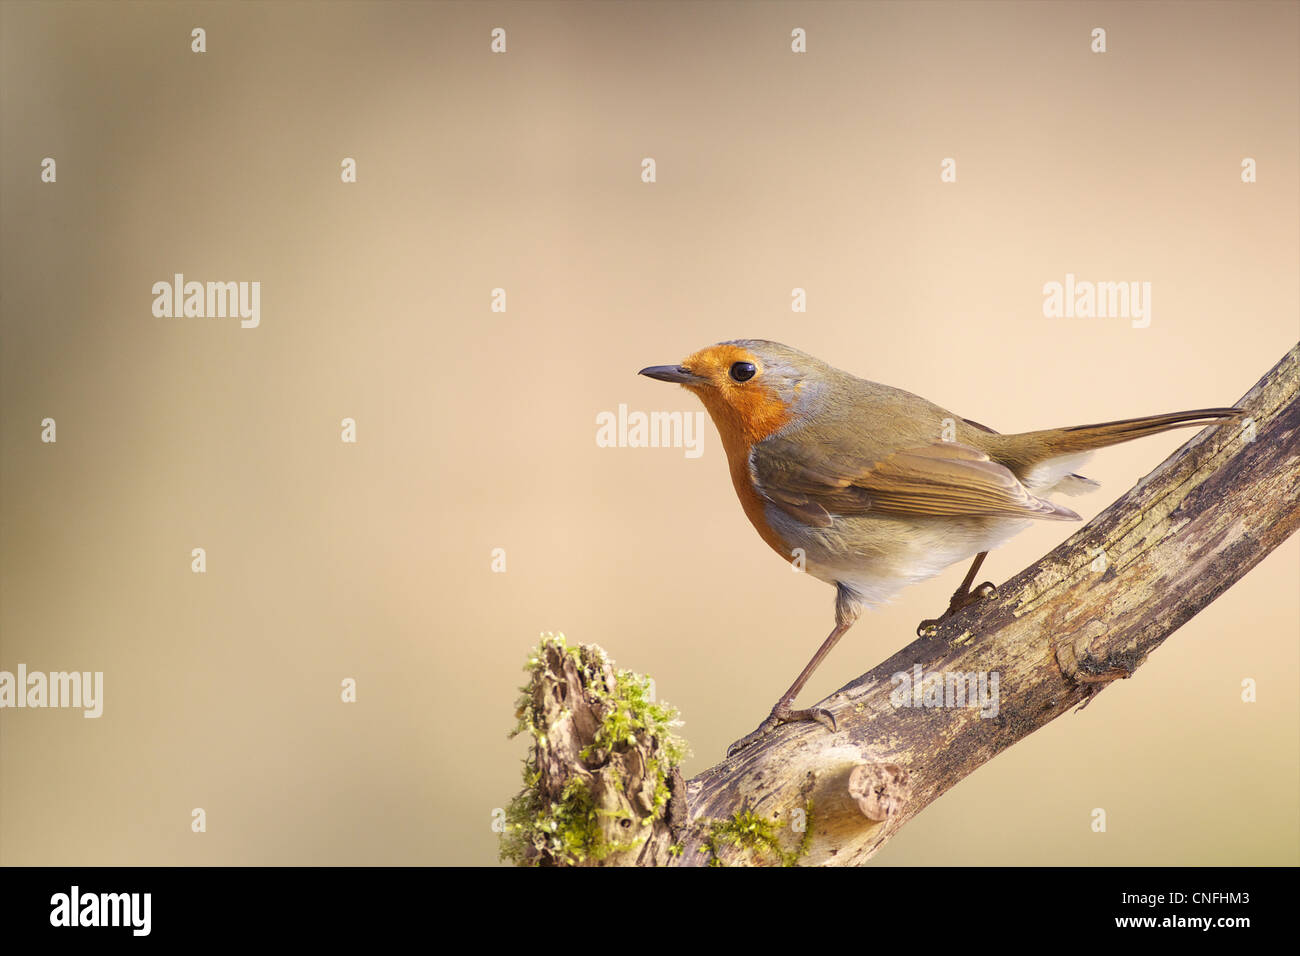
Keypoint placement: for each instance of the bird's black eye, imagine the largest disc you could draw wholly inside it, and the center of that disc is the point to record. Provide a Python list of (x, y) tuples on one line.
[(743, 371)]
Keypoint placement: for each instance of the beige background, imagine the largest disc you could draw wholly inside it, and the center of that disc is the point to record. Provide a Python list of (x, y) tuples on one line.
[(371, 561)]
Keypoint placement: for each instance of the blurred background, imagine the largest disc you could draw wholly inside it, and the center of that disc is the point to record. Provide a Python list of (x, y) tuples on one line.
[(476, 429)]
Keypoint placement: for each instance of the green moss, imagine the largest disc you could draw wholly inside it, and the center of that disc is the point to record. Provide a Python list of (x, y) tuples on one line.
[(756, 836), (632, 716), (568, 831)]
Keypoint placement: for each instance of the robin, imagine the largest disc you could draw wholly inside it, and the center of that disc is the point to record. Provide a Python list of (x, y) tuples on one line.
[(876, 488)]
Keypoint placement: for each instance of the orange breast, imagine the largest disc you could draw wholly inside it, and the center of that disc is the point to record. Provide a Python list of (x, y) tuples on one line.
[(754, 505), (740, 425)]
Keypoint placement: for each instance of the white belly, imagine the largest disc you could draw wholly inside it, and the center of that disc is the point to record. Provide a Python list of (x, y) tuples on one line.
[(877, 556)]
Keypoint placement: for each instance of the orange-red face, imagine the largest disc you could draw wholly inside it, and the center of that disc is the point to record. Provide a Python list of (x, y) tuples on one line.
[(731, 380)]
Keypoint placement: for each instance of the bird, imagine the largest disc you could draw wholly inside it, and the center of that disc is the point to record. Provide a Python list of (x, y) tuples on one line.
[(874, 488)]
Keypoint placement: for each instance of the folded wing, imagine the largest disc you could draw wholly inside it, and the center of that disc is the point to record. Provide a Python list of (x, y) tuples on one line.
[(815, 483)]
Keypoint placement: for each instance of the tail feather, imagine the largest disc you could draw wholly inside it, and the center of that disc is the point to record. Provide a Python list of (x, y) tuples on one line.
[(1033, 447), (1086, 437)]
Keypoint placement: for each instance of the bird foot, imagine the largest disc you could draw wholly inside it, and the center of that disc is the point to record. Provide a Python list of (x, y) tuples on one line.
[(959, 602), (783, 714)]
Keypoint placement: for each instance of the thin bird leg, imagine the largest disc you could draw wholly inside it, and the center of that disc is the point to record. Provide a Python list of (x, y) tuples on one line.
[(963, 596), (960, 594), (782, 713)]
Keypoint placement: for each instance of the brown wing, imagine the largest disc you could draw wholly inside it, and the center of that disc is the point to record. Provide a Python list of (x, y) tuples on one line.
[(813, 483)]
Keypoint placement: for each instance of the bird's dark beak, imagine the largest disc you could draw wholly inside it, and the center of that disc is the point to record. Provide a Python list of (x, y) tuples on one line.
[(672, 373)]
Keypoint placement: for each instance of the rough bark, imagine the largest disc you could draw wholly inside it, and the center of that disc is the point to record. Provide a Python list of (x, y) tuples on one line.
[(1056, 634)]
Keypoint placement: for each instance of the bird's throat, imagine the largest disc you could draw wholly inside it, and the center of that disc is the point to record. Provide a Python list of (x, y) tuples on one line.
[(744, 416)]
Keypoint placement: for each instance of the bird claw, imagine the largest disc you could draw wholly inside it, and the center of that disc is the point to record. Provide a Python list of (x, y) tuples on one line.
[(763, 730), (784, 715), (827, 720), (958, 603)]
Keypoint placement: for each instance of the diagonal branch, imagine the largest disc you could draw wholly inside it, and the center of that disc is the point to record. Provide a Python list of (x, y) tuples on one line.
[(1054, 636)]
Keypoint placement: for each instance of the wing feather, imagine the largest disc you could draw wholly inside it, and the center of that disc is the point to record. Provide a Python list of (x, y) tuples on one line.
[(814, 483)]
